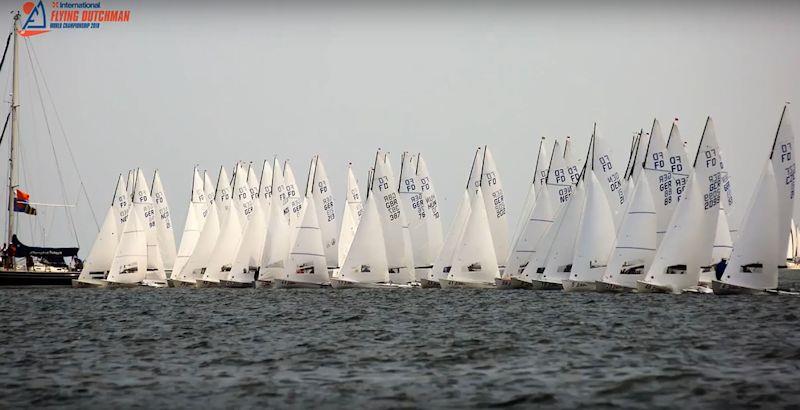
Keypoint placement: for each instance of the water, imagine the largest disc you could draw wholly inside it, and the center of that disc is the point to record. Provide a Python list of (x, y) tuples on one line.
[(183, 348)]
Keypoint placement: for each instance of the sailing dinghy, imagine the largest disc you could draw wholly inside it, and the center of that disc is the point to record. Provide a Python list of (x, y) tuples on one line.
[(195, 219), (248, 255), (98, 263), (307, 265), (366, 264), (443, 262), (688, 243), (353, 209), (757, 252), (277, 242)]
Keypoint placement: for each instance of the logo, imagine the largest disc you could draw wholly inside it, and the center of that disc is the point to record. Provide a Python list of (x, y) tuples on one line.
[(83, 15)]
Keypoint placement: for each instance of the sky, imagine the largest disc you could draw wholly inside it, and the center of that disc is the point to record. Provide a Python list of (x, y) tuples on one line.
[(206, 83)]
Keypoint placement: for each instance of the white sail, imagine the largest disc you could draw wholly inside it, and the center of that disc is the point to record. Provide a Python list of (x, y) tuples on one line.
[(607, 173), (242, 195), (251, 246), (677, 162), (366, 262), (538, 221), (195, 220), (223, 195), (353, 209), (530, 197), (324, 206), (562, 251), (539, 256), (129, 265), (307, 262), (197, 262), (635, 244), (495, 205), (265, 187), (144, 202), (98, 262), (723, 245), (475, 260), (433, 219), (166, 236), (659, 169), (444, 261), (688, 243), (410, 193), (756, 254), (596, 232), (294, 199), (783, 165), (220, 262), (562, 175), (395, 227), (210, 190), (277, 241)]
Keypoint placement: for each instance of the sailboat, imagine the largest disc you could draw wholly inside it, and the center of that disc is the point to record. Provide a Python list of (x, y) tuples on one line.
[(277, 242), (443, 262), (192, 228), (234, 220), (559, 189), (247, 261), (166, 236), (294, 201), (156, 275), (98, 263), (393, 220), (688, 243), (757, 252), (635, 243), (129, 264), (530, 227), (474, 263), (320, 192), (353, 209), (24, 265), (366, 264), (306, 266), (494, 205), (596, 231), (558, 263)]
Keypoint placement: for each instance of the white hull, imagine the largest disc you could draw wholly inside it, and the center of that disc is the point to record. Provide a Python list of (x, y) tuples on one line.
[(235, 284), (454, 284), (612, 287), (174, 283), (88, 283), (542, 285), (644, 287), (263, 284), (429, 284), (722, 288), (120, 285), (578, 286), (346, 284), (155, 283), (289, 284), (207, 284)]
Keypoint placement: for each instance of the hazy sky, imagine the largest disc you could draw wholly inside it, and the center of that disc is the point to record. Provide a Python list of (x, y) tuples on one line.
[(204, 83)]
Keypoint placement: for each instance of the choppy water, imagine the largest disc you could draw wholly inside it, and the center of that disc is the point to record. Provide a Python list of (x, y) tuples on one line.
[(394, 348)]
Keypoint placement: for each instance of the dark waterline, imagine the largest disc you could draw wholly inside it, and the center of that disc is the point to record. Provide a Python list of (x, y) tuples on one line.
[(183, 348)]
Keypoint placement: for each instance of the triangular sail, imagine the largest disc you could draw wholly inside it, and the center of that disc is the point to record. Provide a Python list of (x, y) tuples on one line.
[(195, 219), (410, 192), (293, 197), (783, 165), (688, 243), (540, 167), (723, 245), (562, 251), (353, 209), (144, 203), (166, 236), (443, 262), (307, 262), (596, 232), (324, 206), (661, 172), (366, 261), (433, 219), (635, 244), (475, 260), (495, 206), (607, 172), (756, 254), (220, 262), (277, 242), (129, 265), (395, 231), (100, 257)]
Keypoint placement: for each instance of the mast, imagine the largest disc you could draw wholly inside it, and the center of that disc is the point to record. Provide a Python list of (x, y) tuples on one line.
[(12, 156)]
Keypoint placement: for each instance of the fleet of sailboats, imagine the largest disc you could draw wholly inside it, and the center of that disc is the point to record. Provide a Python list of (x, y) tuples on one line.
[(658, 224)]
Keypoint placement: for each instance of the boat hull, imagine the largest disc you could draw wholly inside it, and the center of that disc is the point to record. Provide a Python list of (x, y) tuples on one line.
[(346, 284), (263, 284), (90, 283), (236, 285), (429, 284), (578, 286), (155, 283), (290, 284), (542, 285), (207, 284), (605, 287), (454, 284), (644, 287), (118, 285), (25, 278), (174, 283), (722, 288)]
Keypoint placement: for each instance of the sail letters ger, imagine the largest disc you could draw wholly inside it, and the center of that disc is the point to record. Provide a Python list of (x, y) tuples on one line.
[(21, 203)]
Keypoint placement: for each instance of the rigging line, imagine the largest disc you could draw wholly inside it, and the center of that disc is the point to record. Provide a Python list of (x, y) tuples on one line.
[(64, 136), (52, 145), (2, 134), (8, 41)]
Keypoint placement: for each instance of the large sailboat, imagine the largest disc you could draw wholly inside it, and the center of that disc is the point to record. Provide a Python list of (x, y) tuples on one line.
[(24, 265)]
